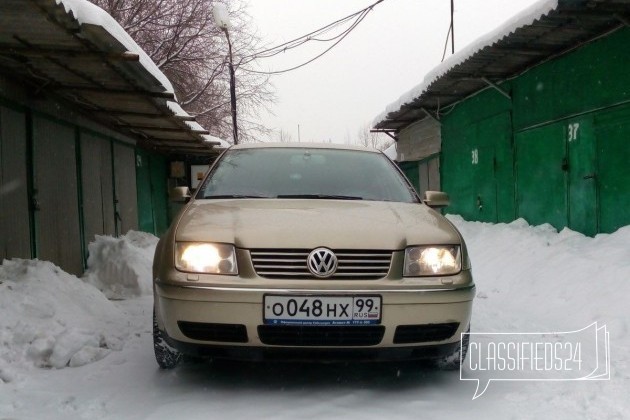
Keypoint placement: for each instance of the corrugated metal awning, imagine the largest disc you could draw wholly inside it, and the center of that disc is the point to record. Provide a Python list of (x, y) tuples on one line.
[(567, 26), (89, 64)]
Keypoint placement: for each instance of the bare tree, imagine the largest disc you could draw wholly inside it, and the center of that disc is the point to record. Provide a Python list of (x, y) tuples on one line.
[(284, 136), (374, 140), (181, 38)]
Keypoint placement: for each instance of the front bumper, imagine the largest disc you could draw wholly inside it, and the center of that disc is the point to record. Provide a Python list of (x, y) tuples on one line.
[(402, 305), (309, 354)]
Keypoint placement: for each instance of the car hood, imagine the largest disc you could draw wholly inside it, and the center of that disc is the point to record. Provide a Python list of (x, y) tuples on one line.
[(307, 224)]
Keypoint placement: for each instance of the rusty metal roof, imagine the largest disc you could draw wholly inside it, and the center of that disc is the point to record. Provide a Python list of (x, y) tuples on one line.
[(569, 25), (87, 66)]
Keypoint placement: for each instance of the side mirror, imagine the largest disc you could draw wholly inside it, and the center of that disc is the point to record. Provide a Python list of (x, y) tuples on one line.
[(436, 199), (180, 195)]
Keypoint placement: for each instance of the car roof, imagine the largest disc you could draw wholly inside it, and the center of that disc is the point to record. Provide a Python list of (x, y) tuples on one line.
[(304, 146)]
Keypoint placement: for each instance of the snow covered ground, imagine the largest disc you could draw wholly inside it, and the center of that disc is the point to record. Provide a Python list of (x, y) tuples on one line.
[(67, 352)]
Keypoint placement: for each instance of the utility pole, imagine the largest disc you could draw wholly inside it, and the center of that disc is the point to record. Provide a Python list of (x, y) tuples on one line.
[(452, 27), (232, 88), (222, 20)]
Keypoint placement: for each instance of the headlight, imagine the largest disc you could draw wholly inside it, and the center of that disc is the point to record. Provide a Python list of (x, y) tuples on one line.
[(197, 257), (432, 260)]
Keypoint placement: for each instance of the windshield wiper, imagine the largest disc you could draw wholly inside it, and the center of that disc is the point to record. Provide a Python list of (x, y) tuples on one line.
[(321, 196), (234, 196)]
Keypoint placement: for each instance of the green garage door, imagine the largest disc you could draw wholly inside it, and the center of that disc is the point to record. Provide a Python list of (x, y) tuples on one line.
[(151, 180), (15, 231), (541, 180), (477, 169), (58, 229), (582, 175), (613, 176), (473, 194)]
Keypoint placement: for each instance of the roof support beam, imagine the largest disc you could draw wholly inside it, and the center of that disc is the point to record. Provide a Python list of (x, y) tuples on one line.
[(390, 133), (430, 115), (622, 19), (109, 91), (165, 129), (115, 113), (38, 52), (181, 144), (497, 88)]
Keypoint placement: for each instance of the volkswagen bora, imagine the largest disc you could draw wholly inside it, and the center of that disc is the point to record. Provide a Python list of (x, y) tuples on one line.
[(311, 252)]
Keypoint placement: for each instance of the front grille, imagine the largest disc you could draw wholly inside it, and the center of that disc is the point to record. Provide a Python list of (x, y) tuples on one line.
[(297, 335), (231, 333), (406, 334), (291, 264)]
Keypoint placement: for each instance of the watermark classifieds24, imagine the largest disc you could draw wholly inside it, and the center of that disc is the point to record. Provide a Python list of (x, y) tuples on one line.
[(538, 356)]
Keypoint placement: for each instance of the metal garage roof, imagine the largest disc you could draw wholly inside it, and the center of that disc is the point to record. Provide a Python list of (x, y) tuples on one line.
[(554, 28), (76, 52)]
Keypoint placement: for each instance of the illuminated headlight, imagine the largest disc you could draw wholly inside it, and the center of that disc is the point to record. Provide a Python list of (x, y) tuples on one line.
[(432, 261), (199, 257)]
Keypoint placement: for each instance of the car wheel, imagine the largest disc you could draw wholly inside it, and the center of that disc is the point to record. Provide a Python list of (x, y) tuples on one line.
[(167, 357), (453, 361)]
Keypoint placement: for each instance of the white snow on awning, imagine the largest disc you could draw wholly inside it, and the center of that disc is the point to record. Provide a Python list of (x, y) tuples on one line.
[(526, 17), (87, 13), (177, 109), (195, 126), (222, 143)]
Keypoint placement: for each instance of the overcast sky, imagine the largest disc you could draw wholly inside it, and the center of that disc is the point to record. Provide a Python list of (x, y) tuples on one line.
[(385, 56)]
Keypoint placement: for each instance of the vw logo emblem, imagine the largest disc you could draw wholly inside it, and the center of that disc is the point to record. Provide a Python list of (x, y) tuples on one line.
[(322, 262)]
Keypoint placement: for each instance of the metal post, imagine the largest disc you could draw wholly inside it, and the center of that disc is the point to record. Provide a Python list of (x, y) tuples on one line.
[(452, 27), (232, 88)]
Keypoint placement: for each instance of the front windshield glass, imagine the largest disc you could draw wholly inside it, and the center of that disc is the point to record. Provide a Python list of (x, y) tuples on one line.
[(306, 173)]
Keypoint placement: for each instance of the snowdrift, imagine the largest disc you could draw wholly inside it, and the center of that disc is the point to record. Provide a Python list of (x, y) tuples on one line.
[(52, 319), (533, 278), (121, 267)]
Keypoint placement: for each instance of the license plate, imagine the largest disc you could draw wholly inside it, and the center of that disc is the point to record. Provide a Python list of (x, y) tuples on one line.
[(321, 310)]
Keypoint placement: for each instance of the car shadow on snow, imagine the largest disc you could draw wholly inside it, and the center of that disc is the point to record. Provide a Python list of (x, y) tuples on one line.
[(281, 376)]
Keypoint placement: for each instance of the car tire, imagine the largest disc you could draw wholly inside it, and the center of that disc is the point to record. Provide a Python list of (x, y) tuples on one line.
[(166, 356), (454, 360)]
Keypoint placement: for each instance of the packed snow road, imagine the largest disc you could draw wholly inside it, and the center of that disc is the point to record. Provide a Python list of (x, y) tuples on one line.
[(528, 279)]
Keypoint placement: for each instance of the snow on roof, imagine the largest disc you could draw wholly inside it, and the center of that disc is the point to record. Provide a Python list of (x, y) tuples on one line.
[(195, 126), (87, 13), (179, 111), (524, 18), (222, 143), (176, 109)]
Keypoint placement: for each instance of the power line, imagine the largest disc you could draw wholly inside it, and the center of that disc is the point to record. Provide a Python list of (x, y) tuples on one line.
[(446, 41), (451, 32), (300, 40), (312, 36)]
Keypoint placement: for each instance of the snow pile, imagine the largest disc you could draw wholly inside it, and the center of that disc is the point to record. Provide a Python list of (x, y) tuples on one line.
[(52, 319), (526, 17), (533, 278), (121, 267), (536, 279)]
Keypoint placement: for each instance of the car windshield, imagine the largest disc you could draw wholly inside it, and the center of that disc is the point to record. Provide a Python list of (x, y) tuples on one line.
[(306, 173)]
